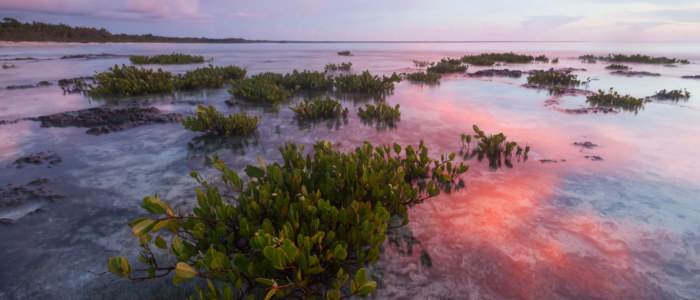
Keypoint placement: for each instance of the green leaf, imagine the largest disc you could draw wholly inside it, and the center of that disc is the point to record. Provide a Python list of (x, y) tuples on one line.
[(340, 252), (184, 271), (265, 281), (270, 294), (160, 243), (254, 172), (361, 276), (333, 295), (367, 288), (143, 227)]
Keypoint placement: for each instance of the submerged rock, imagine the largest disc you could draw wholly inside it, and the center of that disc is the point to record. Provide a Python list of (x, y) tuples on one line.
[(92, 56), (593, 157), (20, 87), (37, 158), (586, 144), (103, 120), (496, 72), (29, 86), (634, 73), (11, 195), (589, 110)]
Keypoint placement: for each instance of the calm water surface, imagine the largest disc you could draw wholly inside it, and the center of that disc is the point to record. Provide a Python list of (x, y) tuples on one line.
[(625, 227)]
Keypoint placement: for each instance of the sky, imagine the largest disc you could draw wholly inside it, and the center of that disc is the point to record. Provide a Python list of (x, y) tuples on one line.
[(377, 20)]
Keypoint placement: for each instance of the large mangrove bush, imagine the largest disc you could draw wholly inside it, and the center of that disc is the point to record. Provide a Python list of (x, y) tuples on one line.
[(211, 121), (132, 80), (208, 77), (300, 229)]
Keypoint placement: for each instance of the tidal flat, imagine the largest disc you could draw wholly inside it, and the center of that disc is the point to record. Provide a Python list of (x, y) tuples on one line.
[(617, 220)]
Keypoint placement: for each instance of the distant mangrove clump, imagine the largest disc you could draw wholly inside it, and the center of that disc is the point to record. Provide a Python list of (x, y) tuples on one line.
[(344, 53), (613, 99), (635, 58), (672, 94), (554, 78), (166, 59), (342, 67), (366, 83), (488, 59), (427, 77), (448, 65), (617, 67)]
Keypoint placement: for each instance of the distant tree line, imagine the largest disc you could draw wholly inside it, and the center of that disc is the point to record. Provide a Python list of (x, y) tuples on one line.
[(15, 31)]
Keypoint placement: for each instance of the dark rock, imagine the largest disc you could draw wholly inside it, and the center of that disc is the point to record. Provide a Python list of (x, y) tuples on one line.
[(39, 181), (20, 87), (4, 221), (593, 158), (231, 102), (560, 90), (11, 195), (587, 145), (589, 110), (548, 161), (634, 73), (691, 77), (103, 120), (92, 56), (37, 158), (496, 72), (43, 83)]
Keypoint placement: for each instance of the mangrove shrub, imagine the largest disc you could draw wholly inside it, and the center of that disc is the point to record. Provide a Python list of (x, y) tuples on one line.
[(301, 229), (319, 108), (211, 121)]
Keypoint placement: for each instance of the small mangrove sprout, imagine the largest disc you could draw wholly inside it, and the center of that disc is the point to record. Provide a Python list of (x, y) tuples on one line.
[(423, 63), (344, 53), (380, 112), (427, 77), (555, 61), (5, 66), (211, 121), (342, 67), (166, 59), (672, 95), (542, 58), (448, 65), (495, 145), (613, 99), (319, 109), (617, 67)]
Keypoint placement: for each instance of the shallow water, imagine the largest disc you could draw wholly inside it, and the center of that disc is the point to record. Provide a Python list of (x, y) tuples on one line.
[(625, 227)]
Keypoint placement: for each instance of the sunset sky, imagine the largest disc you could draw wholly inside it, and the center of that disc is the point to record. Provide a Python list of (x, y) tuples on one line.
[(378, 20)]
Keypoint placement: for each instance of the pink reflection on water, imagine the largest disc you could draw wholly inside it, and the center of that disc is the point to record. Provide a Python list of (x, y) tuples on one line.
[(504, 236)]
